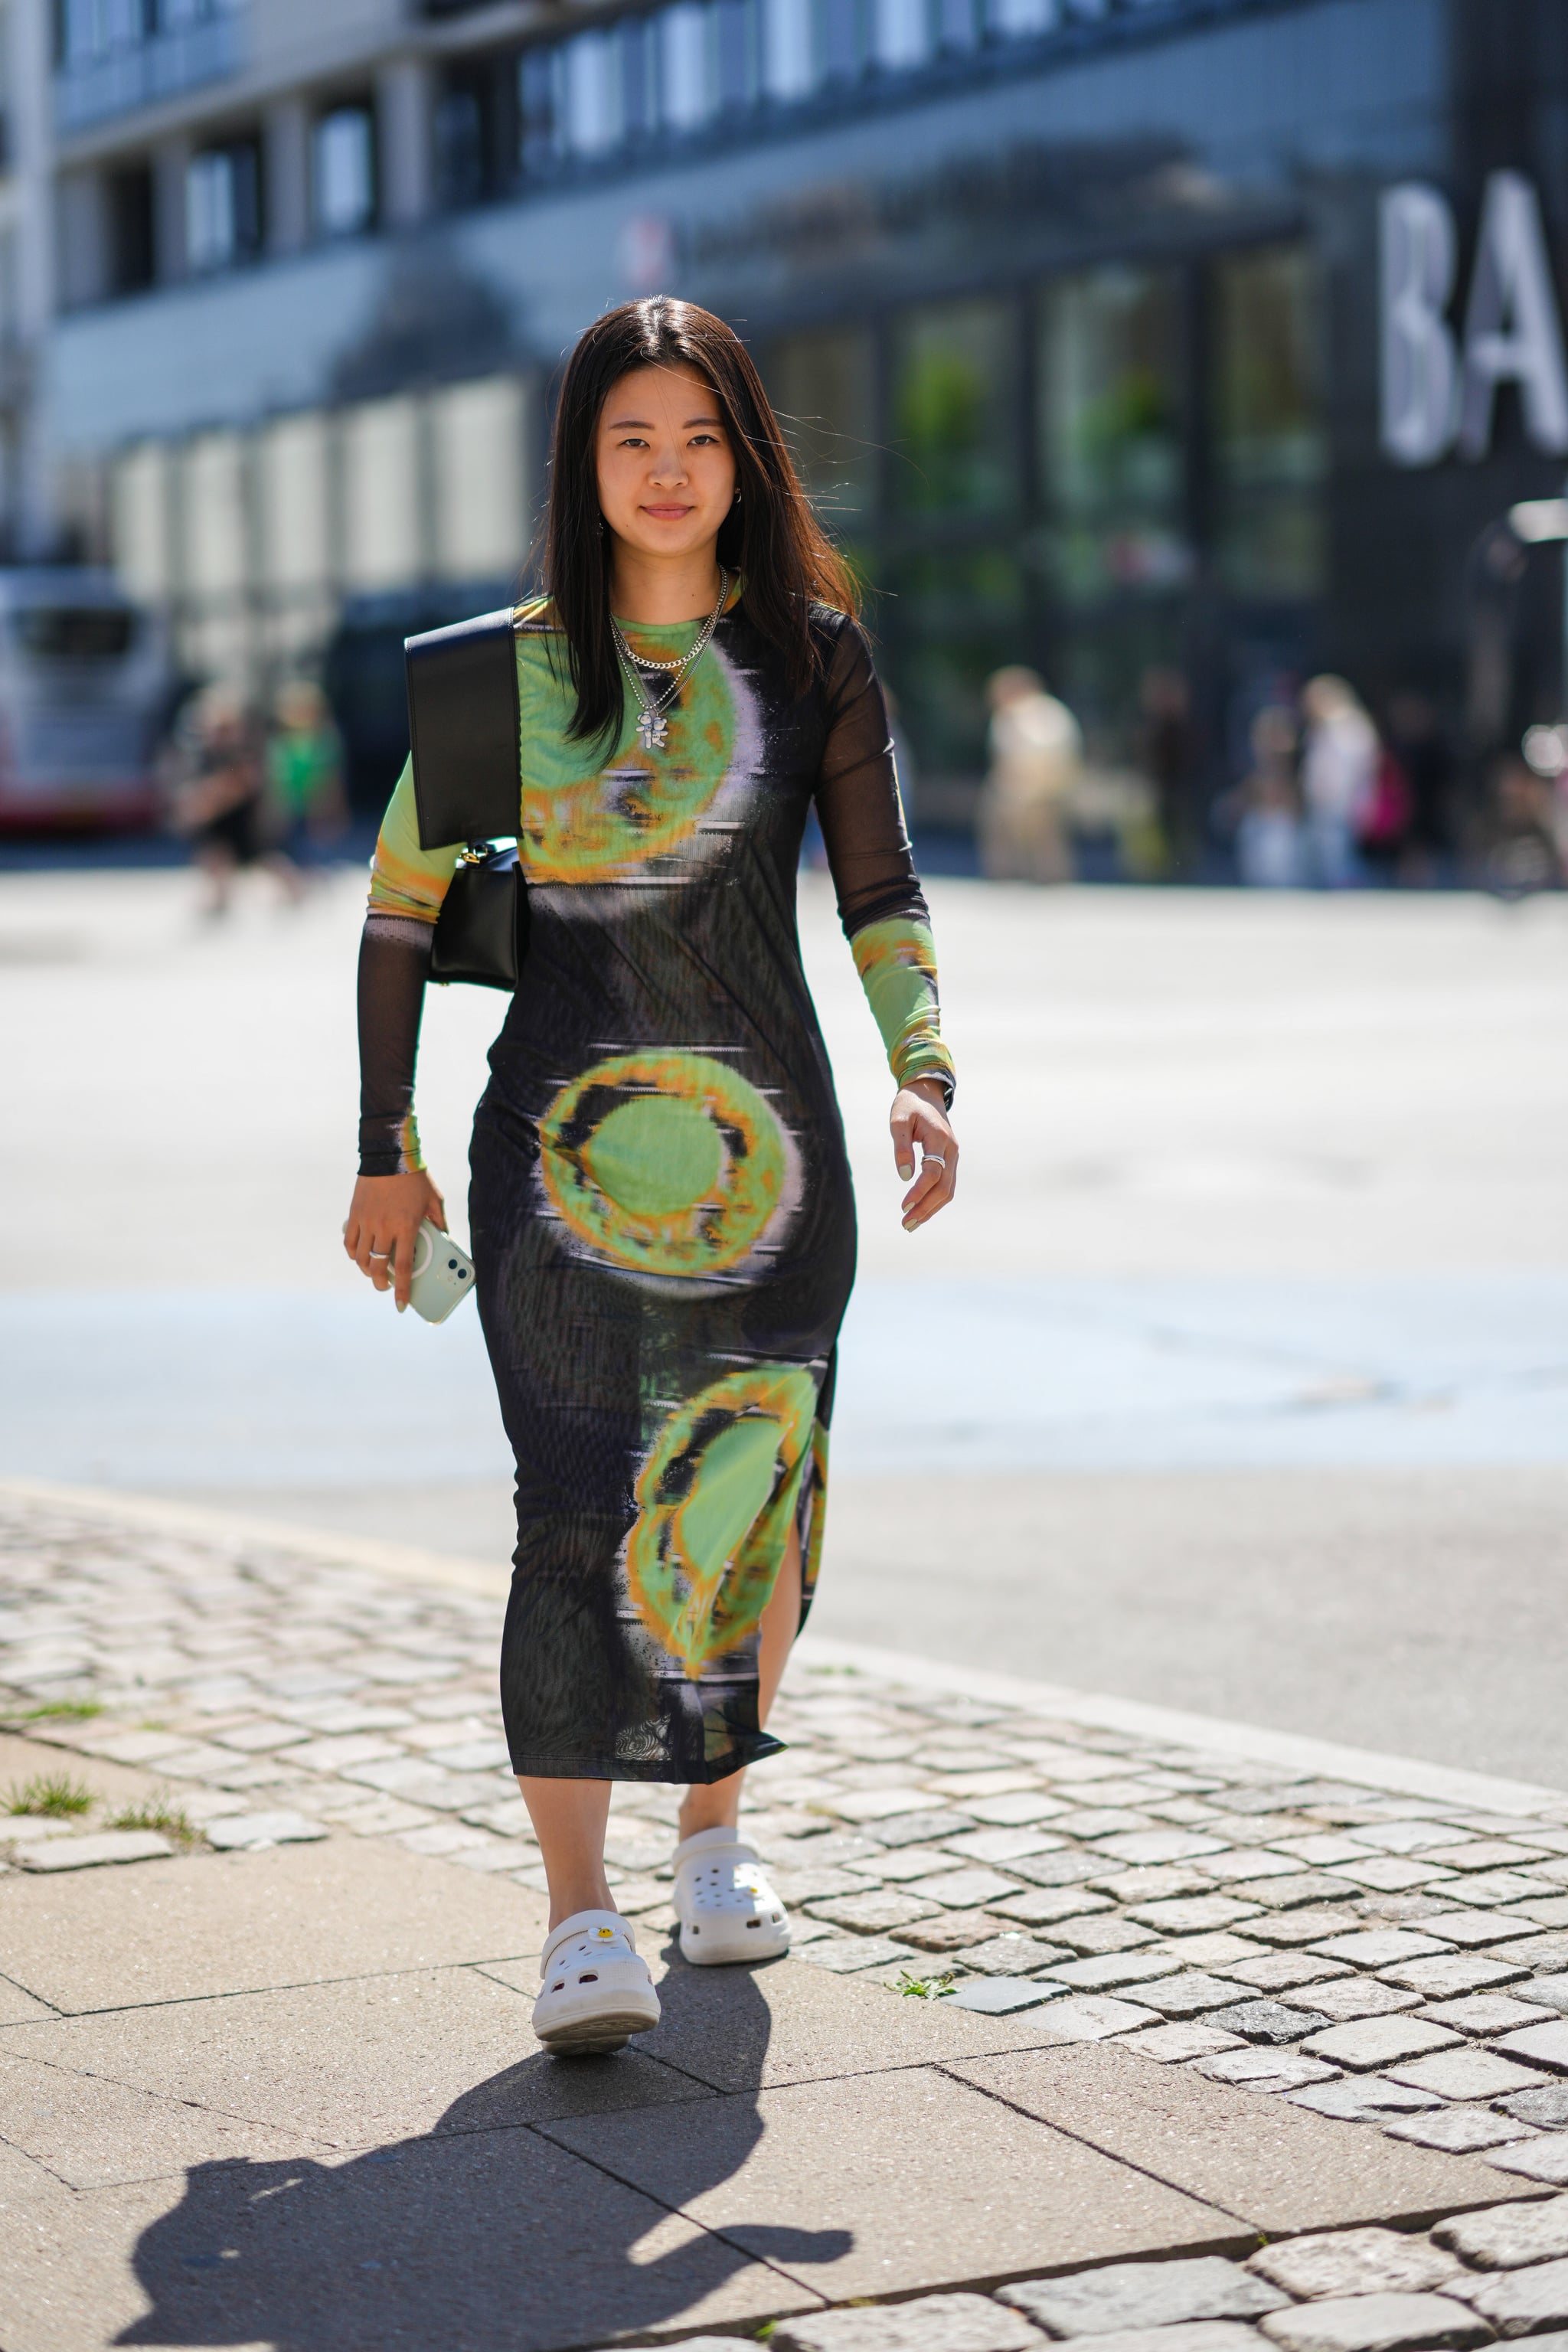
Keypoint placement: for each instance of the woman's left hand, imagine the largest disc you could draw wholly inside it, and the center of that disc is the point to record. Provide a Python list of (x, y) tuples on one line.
[(920, 1120)]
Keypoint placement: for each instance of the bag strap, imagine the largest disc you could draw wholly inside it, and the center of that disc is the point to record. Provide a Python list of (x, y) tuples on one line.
[(463, 729)]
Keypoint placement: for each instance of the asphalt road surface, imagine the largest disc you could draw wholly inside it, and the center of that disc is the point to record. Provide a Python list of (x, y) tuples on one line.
[(1237, 1378)]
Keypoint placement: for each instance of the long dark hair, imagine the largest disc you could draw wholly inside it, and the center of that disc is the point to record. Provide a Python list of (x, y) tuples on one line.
[(771, 536)]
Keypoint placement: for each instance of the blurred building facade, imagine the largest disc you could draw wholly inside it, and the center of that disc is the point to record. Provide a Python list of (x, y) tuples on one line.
[(1115, 333)]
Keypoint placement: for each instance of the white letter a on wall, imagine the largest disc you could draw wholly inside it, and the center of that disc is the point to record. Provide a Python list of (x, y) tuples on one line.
[(1419, 364), (1513, 333)]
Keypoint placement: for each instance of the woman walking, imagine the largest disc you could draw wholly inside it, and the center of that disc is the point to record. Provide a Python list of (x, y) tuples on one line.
[(662, 1220)]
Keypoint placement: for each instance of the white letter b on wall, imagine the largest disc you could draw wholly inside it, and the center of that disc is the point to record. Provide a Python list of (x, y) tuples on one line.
[(1420, 370)]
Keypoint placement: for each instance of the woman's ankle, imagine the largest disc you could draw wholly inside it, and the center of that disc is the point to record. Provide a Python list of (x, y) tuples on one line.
[(578, 1896)]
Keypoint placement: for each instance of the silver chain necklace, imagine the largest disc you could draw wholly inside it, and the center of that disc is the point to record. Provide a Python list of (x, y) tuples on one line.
[(653, 727)]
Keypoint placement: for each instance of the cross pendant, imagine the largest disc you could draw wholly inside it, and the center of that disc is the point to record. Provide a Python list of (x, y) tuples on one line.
[(652, 729)]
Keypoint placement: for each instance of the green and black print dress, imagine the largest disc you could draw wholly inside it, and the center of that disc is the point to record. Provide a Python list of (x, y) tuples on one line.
[(661, 1213)]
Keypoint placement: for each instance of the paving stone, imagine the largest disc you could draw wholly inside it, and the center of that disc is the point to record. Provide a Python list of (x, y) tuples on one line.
[(950, 1931), (1546, 1913), (1355, 2262), (1462, 2131), (1381, 1948), (1096, 1821), (863, 1804), (1097, 1975), (1377, 2041), (1283, 1971), (1088, 2017), (798, 1887), (1172, 2045), (1353, 1997), (899, 1865), (1166, 1883), (1094, 1936), (1249, 1864), (1266, 2021), (1505, 2237), (874, 1913), (960, 1890), (1039, 1905), (1196, 1916), (842, 1955), (934, 2322), (1012, 1810), (1001, 1845), (1505, 1886), (1000, 1996), (1308, 1925), (1303, 1889), (1375, 2323), (1480, 2012), (1544, 2159), (1541, 2045), (1549, 1992), (1466, 1928), (1364, 2098), (90, 1852), (1547, 2106), (1521, 2301), (1188, 1994), (1265, 2070), (1441, 1979), (923, 1828), (1061, 1870), (1218, 1951), (1466, 2074), (1011, 1956), (240, 1829), (1160, 1845), (1142, 2296), (1542, 1952)]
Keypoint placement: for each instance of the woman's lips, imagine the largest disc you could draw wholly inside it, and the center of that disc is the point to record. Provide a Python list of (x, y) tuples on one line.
[(669, 514)]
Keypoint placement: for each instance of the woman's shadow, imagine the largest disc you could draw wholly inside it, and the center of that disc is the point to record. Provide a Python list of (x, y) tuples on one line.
[(489, 2233)]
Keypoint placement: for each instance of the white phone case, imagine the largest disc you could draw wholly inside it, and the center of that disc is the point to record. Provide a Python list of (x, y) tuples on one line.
[(443, 1274)]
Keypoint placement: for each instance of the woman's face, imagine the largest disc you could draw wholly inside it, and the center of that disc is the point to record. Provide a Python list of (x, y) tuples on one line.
[(667, 471)]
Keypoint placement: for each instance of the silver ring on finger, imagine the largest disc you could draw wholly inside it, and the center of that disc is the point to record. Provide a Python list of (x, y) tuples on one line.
[(379, 1256), (933, 1160)]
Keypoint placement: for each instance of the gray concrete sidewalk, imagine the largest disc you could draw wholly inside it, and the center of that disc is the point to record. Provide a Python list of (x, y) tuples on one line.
[(1080, 2017)]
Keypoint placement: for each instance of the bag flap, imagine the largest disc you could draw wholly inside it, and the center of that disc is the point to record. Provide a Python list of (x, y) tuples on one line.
[(463, 730)]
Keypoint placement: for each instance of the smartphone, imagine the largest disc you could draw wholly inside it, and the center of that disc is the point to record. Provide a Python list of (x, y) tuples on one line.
[(443, 1274)]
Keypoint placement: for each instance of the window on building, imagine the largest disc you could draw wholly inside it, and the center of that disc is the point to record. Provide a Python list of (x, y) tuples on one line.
[(1111, 408), (954, 374), (130, 248), (594, 92), (539, 95), (1271, 448), (788, 44), (901, 33), (343, 171), (736, 62), (1016, 19), (478, 139), (223, 205), (948, 620), (689, 92), (822, 385)]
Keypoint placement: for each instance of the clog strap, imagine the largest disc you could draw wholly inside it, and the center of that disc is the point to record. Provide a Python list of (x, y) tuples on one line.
[(582, 1923)]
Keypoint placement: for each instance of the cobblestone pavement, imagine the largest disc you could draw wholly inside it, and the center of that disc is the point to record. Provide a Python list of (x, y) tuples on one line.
[(1398, 1962)]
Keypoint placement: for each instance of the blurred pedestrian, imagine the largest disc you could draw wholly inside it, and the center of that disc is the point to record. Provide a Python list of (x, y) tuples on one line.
[(1338, 778), (305, 766), (1168, 755), (1417, 739), (1521, 853), (1036, 763), (1270, 843), (219, 796)]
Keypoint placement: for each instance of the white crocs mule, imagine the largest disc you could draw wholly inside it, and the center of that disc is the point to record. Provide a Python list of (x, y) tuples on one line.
[(726, 1908), (595, 1990)]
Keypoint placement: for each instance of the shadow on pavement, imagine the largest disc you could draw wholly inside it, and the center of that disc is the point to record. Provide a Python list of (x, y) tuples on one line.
[(484, 2235)]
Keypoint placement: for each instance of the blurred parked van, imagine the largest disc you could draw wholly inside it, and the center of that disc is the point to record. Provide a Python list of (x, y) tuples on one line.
[(85, 692)]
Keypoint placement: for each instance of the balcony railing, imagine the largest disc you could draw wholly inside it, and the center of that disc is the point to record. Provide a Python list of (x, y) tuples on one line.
[(91, 87)]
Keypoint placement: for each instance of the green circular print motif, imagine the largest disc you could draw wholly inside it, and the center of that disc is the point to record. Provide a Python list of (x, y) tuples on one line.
[(714, 1511), (664, 1162)]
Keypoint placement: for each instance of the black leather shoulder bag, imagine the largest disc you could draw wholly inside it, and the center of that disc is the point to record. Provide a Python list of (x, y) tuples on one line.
[(463, 728)]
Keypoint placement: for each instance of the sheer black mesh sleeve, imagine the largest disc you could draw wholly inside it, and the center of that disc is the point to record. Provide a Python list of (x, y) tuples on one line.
[(858, 802), (393, 960)]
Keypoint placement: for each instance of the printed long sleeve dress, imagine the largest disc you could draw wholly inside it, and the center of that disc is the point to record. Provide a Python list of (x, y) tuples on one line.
[(661, 1215)]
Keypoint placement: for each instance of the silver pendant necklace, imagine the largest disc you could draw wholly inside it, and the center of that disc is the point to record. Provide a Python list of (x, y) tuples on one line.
[(653, 727)]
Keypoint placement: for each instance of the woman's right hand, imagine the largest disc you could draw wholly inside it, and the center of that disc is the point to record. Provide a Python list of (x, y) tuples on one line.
[(384, 1218)]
